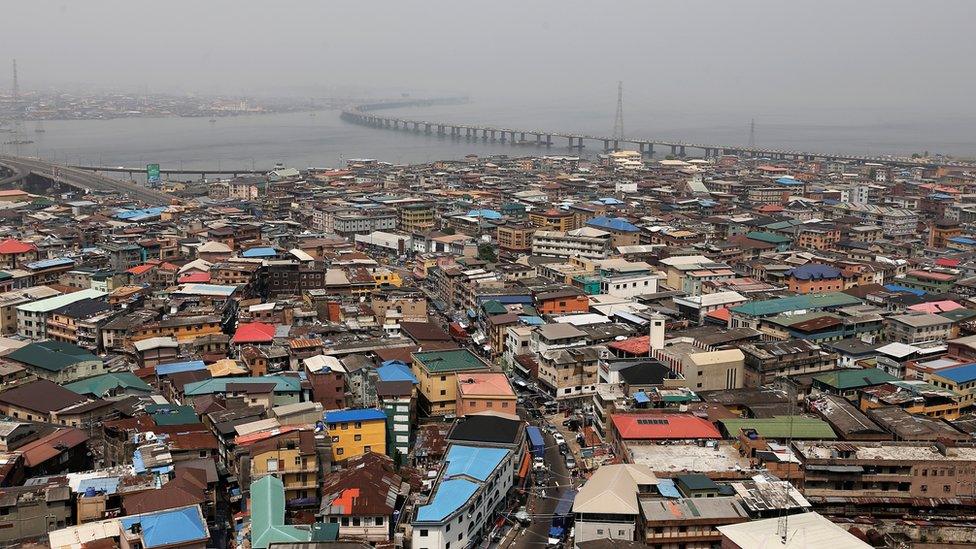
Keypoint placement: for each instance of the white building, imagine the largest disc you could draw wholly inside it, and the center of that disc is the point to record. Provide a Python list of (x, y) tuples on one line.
[(471, 487), (586, 242), (32, 317)]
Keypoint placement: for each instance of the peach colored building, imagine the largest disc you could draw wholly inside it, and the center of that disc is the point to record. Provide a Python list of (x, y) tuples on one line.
[(479, 392)]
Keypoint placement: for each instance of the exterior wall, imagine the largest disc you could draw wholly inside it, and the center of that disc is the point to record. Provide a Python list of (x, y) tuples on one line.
[(467, 404), (298, 473), (563, 305), (355, 438), (590, 529), (816, 286)]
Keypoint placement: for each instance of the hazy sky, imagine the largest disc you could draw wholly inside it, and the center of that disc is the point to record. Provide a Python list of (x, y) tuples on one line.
[(909, 57)]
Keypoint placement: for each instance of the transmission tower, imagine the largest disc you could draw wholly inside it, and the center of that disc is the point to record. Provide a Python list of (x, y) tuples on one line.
[(18, 111), (618, 124), (752, 133)]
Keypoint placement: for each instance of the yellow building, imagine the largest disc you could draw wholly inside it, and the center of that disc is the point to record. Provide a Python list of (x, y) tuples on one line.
[(290, 457), (355, 432), (437, 373), (416, 217), (915, 397), (386, 276)]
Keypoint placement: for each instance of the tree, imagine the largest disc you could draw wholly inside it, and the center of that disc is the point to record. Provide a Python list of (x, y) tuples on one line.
[(486, 252)]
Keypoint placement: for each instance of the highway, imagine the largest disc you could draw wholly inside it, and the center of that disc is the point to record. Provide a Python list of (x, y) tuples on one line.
[(81, 179)]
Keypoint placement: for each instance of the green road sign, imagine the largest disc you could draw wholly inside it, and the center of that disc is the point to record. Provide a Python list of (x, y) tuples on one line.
[(152, 174)]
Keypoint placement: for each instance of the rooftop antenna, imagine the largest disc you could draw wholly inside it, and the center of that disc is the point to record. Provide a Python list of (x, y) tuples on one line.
[(618, 124), (752, 133)]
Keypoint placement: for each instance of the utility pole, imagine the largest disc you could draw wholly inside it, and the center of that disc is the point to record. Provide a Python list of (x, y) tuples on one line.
[(752, 133), (618, 124)]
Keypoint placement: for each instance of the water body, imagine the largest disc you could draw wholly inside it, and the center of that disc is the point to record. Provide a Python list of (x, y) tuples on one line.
[(323, 140)]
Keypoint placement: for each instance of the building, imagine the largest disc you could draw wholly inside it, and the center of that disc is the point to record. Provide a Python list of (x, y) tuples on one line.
[(362, 497), (437, 373), (32, 318), (805, 530), (904, 474), (57, 361), (472, 484), (515, 237), (479, 392), (691, 522), (895, 222), (356, 432), (586, 242), (608, 505), (815, 278), (570, 373), (290, 456), (915, 329), (765, 362), (30, 512)]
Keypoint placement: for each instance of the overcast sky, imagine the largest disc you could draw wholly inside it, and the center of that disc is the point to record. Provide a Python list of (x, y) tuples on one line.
[(910, 57)]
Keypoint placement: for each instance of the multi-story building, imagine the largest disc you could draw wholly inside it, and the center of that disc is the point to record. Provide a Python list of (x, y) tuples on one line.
[(608, 505), (767, 361), (361, 498), (515, 237), (550, 337), (916, 329), (885, 477), (355, 432), (585, 242), (10, 300), (479, 392), (894, 222), (32, 318), (416, 217), (570, 373), (472, 485), (291, 457), (437, 373)]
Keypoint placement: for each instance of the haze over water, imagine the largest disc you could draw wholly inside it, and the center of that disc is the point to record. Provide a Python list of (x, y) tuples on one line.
[(303, 140)]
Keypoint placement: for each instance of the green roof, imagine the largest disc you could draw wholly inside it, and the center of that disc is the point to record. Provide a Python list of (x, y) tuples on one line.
[(52, 356), (450, 361), (957, 315), (794, 303), (780, 225), (771, 238), (104, 384), (268, 515), (780, 427), (493, 307), (171, 414), (283, 384), (854, 378)]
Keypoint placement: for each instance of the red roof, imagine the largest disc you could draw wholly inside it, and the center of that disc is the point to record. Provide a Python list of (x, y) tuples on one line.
[(663, 427), (51, 446), (254, 332), (141, 269), (722, 314), (14, 246), (195, 277), (946, 262), (634, 345)]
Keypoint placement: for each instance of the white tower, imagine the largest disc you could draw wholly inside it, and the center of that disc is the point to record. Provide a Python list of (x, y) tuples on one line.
[(656, 333)]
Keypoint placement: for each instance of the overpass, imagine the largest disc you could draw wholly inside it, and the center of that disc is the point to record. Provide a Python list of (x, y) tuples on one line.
[(169, 171), (23, 169), (364, 115)]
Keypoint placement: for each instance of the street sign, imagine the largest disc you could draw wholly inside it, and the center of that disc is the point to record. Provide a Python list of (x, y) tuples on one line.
[(152, 174)]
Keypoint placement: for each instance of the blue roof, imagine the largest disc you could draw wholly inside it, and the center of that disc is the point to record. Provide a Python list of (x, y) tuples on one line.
[(788, 180), (532, 320), (815, 271), (613, 223), (962, 240), (667, 488), (360, 414), (449, 497), (959, 374), (487, 214), (940, 196), (641, 397), (395, 370), (903, 289), (259, 252), (177, 367), (136, 215), (53, 262), (169, 527), (609, 201), (105, 485), (473, 461)]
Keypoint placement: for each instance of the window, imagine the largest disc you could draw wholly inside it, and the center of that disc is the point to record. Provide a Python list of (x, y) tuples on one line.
[(272, 465), (298, 460), (339, 451), (378, 521), (946, 488), (621, 533), (443, 392), (345, 521), (359, 424), (356, 521), (599, 531), (423, 533), (335, 439), (367, 448), (357, 438), (443, 378)]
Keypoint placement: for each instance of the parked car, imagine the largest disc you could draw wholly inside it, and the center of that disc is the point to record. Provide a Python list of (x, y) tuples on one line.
[(560, 439), (570, 462)]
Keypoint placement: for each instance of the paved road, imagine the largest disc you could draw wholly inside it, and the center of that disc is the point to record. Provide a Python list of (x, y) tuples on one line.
[(85, 180)]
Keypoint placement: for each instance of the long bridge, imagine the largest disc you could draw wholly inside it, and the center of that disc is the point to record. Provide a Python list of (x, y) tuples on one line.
[(365, 115), (24, 170)]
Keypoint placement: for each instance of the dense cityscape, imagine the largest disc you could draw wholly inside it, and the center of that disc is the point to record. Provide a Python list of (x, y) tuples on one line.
[(507, 275), (534, 350)]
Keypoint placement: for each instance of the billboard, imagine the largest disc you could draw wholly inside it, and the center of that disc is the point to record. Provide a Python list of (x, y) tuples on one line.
[(152, 175)]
